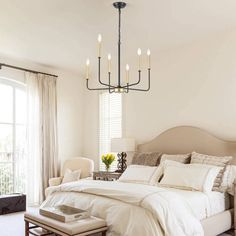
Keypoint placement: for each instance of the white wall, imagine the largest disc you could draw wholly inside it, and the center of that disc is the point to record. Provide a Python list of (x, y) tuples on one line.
[(70, 115), (192, 85), (91, 126), (70, 104)]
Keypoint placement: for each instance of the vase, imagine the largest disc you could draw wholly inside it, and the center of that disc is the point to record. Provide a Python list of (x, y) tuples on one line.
[(107, 168)]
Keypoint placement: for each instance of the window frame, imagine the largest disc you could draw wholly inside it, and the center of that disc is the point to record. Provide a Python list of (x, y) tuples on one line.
[(100, 164), (21, 86)]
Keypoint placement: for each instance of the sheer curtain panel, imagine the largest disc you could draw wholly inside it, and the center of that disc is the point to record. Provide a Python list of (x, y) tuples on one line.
[(42, 145)]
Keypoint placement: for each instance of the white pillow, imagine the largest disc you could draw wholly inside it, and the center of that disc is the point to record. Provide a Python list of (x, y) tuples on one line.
[(160, 171), (198, 177), (139, 174), (71, 176)]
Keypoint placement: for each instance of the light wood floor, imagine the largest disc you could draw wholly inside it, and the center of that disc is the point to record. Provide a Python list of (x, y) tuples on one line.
[(13, 225)]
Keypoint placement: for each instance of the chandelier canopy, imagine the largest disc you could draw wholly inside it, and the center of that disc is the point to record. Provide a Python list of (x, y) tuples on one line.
[(119, 88)]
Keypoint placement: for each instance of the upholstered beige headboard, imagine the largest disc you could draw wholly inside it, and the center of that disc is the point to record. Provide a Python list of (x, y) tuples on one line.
[(185, 139)]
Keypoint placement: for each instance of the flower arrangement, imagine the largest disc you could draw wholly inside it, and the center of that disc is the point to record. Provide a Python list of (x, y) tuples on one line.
[(108, 159)]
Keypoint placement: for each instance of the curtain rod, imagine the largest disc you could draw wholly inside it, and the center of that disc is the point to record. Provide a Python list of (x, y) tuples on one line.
[(24, 69)]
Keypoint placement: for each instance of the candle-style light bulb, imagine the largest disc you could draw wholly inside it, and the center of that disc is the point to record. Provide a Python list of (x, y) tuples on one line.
[(139, 58), (127, 73), (139, 52), (99, 44), (87, 68), (109, 62), (99, 38), (149, 58)]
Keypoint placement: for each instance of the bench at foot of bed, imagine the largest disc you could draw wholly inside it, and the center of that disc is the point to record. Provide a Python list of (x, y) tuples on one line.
[(84, 227)]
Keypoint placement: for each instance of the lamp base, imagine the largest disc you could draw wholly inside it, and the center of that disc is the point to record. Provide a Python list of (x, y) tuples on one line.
[(121, 165)]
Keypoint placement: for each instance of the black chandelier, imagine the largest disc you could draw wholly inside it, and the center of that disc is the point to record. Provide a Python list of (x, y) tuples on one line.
[(119, 88)]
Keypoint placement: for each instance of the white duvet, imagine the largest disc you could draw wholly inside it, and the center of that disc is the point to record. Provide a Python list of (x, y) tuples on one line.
[(130, 209)]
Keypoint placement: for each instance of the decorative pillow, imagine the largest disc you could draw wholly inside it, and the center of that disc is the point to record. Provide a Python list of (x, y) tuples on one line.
[(189, 177), (183, 158), (157, 175), (162, 166), (212, 160), (228, 179), (139, 174), (146, 158), (71, 176)]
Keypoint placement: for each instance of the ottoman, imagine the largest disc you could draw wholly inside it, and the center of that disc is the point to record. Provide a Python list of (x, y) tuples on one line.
[(88, 226)]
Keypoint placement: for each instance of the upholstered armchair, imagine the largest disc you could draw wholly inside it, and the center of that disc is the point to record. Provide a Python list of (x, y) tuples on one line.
[(84, 164)]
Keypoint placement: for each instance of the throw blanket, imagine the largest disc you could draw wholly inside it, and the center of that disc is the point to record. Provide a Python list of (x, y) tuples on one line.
[(130, 209)]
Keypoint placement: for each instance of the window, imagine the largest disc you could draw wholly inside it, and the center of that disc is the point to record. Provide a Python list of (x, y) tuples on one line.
[(12, 136), (110, 112)]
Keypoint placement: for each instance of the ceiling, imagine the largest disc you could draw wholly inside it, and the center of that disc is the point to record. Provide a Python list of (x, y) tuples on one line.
[(62, 33)]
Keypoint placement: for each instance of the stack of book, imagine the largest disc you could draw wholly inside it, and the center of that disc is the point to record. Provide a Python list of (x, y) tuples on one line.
[(64, 213)]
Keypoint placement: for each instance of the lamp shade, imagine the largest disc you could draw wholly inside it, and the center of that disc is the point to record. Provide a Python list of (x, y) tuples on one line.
[(122, 145)]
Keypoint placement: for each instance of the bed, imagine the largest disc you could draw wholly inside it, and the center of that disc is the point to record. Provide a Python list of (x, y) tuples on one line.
[(134, 209)]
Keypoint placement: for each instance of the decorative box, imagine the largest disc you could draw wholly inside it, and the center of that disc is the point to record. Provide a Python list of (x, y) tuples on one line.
[(12, 203)]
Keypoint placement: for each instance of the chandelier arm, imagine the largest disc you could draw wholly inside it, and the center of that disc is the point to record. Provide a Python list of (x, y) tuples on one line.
[(109, 79), (94, 88), (149, 84), (111, 91), (127, 86), (99, 73), (139, 79)]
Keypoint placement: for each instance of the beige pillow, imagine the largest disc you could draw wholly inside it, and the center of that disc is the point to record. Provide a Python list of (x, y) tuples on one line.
[(146, 158), (189, 177), (183, 158), (197, 158), (71, 176)]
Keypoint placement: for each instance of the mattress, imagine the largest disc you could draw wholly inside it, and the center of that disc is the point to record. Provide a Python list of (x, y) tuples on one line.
[(205, 205)]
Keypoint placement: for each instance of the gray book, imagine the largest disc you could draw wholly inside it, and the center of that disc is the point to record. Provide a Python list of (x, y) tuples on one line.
[(64, 213)]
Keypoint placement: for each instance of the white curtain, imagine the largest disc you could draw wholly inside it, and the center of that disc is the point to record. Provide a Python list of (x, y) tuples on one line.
[(42, 148)]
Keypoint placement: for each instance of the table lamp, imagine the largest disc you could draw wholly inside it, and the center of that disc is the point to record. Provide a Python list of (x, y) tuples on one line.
[(121, 146)]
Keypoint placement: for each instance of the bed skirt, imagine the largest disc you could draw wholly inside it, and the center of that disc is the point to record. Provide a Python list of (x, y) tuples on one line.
[(218, 223)]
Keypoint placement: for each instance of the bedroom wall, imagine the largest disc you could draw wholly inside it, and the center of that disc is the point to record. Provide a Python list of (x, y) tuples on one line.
[(70, 115), (191, 85), (70, 104)]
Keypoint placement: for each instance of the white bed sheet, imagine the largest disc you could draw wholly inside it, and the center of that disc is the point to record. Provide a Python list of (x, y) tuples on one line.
[(205, 205), (130, 209), (157, 211)]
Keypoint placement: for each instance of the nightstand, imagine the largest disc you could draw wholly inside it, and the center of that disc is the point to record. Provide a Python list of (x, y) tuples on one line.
[(106, 175)]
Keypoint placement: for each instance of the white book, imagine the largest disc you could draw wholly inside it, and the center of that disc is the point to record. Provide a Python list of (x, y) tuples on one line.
[(64, 213)]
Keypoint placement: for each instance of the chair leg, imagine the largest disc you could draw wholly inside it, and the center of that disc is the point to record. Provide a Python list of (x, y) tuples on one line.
[(104, 233), (26, 228)]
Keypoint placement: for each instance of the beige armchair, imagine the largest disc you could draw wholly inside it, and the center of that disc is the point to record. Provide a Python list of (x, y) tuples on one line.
[(84, 164)]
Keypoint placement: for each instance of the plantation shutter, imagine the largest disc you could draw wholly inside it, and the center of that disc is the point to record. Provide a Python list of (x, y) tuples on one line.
[(110, 123)]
